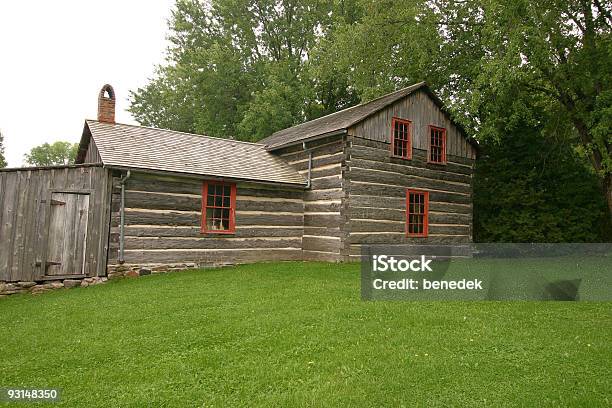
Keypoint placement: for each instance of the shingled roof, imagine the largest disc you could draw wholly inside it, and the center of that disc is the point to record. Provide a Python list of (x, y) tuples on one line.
[(343, 119), (138, 147)]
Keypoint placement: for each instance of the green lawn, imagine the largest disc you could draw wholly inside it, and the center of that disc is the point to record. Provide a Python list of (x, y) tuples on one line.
[(297, 334)]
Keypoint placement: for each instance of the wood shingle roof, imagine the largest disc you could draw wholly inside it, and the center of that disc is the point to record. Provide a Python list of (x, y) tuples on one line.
[(138, 147), (346, 118)]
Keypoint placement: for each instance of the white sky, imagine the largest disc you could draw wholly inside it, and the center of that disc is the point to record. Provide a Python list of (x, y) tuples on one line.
[(56, 55)]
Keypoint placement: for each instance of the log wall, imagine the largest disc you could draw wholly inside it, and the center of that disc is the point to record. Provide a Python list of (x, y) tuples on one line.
[(376, 196), (421, 110), (163, 220), (325, 201), (24, 218)]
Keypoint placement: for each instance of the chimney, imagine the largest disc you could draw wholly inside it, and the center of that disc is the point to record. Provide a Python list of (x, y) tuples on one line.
[(106, 104)]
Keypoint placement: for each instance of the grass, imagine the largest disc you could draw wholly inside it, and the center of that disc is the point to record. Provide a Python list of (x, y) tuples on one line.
[(297, 334)]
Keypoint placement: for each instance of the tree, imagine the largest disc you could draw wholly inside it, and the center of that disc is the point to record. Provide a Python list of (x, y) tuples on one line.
[(497, 64), (56, 154), (241, 68), (2, 159), (560, 52), (530, 188)]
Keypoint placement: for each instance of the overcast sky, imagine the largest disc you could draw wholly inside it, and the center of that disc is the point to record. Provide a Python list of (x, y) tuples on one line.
[(56, 55)]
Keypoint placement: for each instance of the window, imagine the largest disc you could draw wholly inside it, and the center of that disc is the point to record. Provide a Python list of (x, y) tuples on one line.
[(401, 145), (437, 145), (417, 209), (218, 207)]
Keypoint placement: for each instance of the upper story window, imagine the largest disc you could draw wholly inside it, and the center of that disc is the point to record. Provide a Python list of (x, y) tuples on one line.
[(417, 213), (437, 145), (401, 138), (218, 207)]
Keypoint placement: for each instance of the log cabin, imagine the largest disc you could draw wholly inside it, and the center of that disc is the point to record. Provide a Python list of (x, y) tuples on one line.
[(394, 170)]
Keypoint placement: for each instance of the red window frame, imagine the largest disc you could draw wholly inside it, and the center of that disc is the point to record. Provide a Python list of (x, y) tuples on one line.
[(417, 216), (402, 152), (437, 139), (219, 207)]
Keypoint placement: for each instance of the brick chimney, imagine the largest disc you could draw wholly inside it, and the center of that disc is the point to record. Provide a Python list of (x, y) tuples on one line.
[(106, 104)]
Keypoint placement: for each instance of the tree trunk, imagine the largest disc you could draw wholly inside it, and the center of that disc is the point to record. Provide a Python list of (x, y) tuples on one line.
[(607, 186)]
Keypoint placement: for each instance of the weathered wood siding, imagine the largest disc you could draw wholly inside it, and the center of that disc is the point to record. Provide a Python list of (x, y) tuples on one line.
[(376, 183), (324, 202), (422, 111), (25, 202), (92, 155), (163, 220), (376, 189)]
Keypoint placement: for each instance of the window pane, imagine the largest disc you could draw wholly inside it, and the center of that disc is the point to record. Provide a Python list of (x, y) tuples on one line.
[(218, 212), (209, 218), (225, 224)]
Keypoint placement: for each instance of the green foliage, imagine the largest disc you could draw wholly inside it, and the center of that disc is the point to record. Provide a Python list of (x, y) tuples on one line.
[(241, 68), (2, 159), (530, 188), (58, 153)]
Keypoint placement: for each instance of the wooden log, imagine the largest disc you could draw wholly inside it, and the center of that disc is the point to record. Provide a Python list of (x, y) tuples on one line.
[(324, 231), (194, 187), (337, 158), (407, 169), (310, 145), (211, 242), (260, 192), (140, 257), (360, 188), (317, 220), (244, 204), (324, 171), (359, 141), (316, 256), (323, 150), (195, 232), (448, 218), (377, 226), (418, 160), (176, 218), (400, 203), (371, 213), (396, 239), (326, 183), (322, 206), (166, 201), (324, 244), (318, 195), (402, 180)]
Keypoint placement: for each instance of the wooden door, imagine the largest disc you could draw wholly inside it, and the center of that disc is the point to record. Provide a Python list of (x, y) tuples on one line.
[(66, 244)]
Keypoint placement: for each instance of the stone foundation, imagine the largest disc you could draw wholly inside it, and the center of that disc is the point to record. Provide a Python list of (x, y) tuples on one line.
[(113, 271), (131, 270), (12, 288)]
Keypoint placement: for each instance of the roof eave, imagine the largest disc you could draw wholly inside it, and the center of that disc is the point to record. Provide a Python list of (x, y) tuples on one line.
[(83, 144), (306, 140), (207, 176)]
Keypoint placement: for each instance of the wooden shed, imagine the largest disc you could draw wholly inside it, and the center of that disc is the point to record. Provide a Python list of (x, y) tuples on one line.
[(396, 170), (54, 222)]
